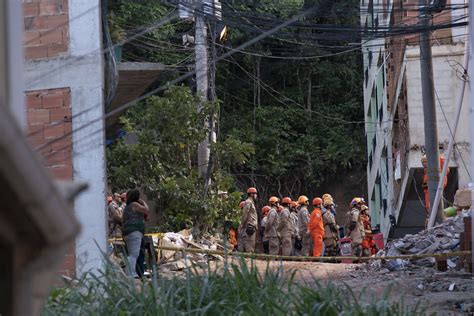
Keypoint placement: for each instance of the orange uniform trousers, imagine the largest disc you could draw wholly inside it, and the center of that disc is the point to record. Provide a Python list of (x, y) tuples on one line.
[(316, 227)]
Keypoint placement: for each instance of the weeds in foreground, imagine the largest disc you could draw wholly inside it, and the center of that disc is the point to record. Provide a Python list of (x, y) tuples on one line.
[(239, 289)]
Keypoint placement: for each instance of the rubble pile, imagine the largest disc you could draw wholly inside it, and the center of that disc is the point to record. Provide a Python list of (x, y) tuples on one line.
[(439, 239), (171, 262)]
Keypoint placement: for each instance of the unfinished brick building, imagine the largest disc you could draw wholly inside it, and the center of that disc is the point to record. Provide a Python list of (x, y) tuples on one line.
[(64, 90)]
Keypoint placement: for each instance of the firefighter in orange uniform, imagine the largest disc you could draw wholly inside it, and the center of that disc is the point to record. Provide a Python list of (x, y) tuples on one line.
[(368, 244), (316, 227), (424, 162)]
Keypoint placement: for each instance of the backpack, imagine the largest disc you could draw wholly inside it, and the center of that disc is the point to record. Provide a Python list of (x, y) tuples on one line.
[(348, 222)]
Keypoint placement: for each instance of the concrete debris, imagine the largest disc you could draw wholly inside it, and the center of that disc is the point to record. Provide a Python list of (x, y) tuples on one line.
[(451, 287), (174, 262), (439, 239), (467, 307), (177, 265)]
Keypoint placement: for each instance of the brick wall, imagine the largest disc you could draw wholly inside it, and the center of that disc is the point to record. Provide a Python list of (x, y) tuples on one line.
[(49, 118), (46, 28), (443, 36)]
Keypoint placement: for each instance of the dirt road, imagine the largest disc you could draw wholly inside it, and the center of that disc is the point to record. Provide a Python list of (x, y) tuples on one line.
[(444, 293)]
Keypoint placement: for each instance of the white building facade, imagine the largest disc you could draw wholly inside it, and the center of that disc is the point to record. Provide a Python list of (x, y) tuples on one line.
[(394, 112)]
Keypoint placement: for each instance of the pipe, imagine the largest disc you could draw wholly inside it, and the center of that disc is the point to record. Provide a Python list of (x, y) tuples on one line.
[(439, 190)]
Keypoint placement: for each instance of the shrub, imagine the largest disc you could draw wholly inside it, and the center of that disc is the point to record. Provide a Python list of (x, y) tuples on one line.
[(238, 289)]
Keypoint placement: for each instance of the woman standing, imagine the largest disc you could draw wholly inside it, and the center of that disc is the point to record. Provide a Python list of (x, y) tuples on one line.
[(134, 227)]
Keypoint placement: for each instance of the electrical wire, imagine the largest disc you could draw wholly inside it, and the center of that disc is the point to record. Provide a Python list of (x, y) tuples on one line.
[(175, 81), (449, 126), (153, 26)]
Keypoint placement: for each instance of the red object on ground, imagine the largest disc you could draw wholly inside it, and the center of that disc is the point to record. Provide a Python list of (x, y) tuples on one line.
[(346, 249), (378, 238)]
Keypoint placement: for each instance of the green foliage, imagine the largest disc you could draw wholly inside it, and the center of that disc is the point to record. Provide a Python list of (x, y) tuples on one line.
[(285, 125), (159, 44), (239, 290), (301, 139), (162, 161)]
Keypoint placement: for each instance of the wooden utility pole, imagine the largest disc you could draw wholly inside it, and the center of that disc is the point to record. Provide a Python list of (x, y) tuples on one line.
[(471, 103), (429, 108), (199, 9), (202, 79)]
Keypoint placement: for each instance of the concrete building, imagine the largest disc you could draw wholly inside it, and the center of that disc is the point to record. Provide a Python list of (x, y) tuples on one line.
[(64, 87), (394, 111), (37, 224), (68, 80)]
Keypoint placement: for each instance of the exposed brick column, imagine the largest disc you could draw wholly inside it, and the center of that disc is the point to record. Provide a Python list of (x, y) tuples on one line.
[(46, 28), (49, 118)]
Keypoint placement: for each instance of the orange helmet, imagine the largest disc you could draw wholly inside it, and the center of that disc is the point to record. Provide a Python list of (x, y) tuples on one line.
[(294, 204), (286, 200), (273, 200), (241, 204), (317, 201), (265, 210), (109, 199), (303, 199), (251, 190)]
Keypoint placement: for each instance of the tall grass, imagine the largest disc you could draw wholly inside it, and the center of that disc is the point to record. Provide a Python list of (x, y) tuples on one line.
[(239, 289)]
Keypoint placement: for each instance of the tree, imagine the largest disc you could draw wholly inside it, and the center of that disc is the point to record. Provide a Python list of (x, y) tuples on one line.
[(162, 161), (286, 124)]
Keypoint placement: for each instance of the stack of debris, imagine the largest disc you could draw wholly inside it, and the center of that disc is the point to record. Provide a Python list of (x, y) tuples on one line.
[(443, 238), (171, 262)]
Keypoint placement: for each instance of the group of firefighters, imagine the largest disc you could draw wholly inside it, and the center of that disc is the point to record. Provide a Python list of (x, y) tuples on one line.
[(288, 228)]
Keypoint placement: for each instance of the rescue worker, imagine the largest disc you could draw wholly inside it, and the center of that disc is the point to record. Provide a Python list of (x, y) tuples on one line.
[(249, 222), (240, 234), (355, 227), (285, 228), (368, 244), (424, 162), (331, 229), (114, 216), (123, 198), (316, 227), (328, 203), (303, 220), (263, 223), (271, 227), (295, 241), (233, 237)]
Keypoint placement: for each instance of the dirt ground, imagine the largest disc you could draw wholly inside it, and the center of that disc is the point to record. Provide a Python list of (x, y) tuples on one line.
[(443, 293)]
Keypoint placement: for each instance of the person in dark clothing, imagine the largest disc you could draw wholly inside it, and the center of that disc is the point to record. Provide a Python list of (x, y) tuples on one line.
[(134, 229)]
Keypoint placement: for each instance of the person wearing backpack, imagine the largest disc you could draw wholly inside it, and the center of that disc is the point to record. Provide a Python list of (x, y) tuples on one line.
[(295, 236), (249, 221), (303, 221), (285, 228), (271, 227), (355, 227), (331, 229)]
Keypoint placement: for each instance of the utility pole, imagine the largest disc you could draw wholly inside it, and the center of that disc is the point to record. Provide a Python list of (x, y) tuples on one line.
[(202, 79), (199, 10), (471, 114), (429, 108)]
